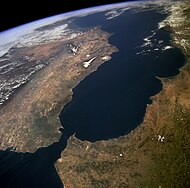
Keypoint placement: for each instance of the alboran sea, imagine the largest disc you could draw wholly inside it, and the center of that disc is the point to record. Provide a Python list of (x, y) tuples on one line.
[(111, 101)]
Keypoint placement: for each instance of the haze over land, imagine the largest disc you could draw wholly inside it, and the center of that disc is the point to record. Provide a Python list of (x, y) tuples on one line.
[(42, 67)]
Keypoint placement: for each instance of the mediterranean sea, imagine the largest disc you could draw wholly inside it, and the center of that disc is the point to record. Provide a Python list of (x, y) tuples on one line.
[(112, 101), (108, 103)]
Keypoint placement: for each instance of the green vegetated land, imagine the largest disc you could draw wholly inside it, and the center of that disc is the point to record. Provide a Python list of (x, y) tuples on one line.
[(157, 153)]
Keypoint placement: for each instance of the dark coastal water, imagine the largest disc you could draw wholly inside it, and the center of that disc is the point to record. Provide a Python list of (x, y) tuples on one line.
[(107, 104), (112, 101), (32, 170)]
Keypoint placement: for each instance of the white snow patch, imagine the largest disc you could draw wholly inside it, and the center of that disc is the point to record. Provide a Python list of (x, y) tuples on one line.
[(75, 49), (60, 160), (86, 64), (87, 147), (107, 57), (161, 138)]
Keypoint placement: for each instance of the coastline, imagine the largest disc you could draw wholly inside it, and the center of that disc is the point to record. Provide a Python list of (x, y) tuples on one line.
[(115, 162), (37, 116), (161, 162)]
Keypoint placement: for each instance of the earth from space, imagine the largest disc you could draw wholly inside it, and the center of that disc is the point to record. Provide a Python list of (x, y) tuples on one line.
[(97, 98)]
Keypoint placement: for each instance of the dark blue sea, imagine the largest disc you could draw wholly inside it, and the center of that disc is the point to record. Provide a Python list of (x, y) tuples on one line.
[(112, 101), (109, 102)]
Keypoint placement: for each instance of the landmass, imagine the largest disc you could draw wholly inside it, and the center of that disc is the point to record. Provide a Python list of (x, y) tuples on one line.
[(30, 118), (155, 154)]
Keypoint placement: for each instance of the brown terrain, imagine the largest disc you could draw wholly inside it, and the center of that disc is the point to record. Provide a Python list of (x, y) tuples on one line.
[(156, 154), (35, 108)]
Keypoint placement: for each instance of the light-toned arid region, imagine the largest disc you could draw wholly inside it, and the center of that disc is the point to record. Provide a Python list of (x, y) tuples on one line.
[(154, 155), (157, 153), (35, 108)]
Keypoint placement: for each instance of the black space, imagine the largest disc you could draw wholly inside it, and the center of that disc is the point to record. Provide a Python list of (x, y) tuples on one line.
[(19, 12)]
